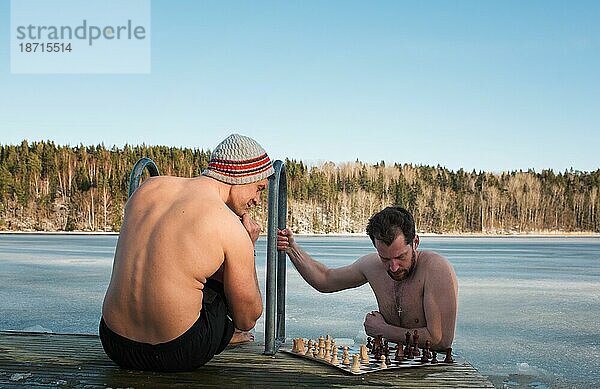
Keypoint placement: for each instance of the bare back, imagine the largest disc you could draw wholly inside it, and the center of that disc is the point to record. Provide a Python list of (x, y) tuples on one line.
[(176, 234)]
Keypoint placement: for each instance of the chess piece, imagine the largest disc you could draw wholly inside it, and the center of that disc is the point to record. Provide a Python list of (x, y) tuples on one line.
[(416, 351), (411, 352), (310, 346), (334, 359), (327, 355), (424, 358), (355, 364), (300, 346), (407, 336), (377, 344), (448, 358), (378, 353), (383, 364), (370, 343), (434, 358), (386, 352), (321, 345), (399, 357), (345, 359), (364, 354), (427, 350), (315, 351), (321, 353)]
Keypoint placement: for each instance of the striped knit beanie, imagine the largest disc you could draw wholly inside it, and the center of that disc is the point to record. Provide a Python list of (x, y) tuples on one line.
[(239, 160)]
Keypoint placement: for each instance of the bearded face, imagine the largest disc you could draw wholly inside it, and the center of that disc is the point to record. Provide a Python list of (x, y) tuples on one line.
[(399, 258), (402, 273)]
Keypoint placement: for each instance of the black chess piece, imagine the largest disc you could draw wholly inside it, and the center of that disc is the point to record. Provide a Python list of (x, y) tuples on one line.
[(427, 350), (448, 358), (377, 342), (399, 357), (407, 335), (416, 351), (424, 358), (386, 352), (370, 343), (378, 347), (434, 358)]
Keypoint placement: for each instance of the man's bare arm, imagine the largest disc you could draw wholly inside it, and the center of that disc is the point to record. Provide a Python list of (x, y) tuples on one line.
[(440, 302), (253, 231), (318, 275), (375, 325), (240, 280)]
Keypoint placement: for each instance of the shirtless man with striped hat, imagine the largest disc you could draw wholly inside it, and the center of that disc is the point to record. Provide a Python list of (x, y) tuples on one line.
[(183, 280)]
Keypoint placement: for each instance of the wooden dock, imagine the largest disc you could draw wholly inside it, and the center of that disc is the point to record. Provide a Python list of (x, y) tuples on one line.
[(78, 361)]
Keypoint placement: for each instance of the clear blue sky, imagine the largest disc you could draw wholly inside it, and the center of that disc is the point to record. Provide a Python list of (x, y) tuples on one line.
[(485, 85)]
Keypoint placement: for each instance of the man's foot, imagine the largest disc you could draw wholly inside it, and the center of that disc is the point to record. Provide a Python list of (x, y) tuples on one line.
[(240, 336)]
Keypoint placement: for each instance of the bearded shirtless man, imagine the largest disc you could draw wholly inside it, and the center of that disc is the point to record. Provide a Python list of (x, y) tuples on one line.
[(415, 290), (183, 277)]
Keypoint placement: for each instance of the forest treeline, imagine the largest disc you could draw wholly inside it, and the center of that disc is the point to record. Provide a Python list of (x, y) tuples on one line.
[(49, 187)]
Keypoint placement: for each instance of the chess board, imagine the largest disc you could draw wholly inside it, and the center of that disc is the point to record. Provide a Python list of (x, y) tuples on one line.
[(373, 364)]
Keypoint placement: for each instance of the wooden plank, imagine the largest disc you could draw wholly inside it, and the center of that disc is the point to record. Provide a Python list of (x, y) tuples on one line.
[(78, 361)]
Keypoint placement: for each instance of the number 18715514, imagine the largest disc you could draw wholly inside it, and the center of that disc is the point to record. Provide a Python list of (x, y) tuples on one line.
[(36, 47)]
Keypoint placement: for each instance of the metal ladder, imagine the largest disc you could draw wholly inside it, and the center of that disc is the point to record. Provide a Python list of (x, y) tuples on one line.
[(276, 260)]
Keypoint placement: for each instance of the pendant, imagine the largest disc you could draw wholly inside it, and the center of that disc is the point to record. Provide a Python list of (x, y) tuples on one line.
[(400, 310)]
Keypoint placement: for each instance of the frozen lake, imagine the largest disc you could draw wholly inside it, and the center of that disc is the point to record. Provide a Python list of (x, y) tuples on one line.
[(528, 307)]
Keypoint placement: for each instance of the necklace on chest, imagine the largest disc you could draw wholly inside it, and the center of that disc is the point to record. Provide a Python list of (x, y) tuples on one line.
[(399, 296)]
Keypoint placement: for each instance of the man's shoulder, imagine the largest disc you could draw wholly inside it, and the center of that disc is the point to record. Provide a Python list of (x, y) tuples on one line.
[(369, 258), (432, 255), (433, 258), (174, 183), (435, 261), (162, 180), (162, 187), (369, 263)]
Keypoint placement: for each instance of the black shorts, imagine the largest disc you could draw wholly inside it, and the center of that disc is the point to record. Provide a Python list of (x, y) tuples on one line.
[(208, 336)]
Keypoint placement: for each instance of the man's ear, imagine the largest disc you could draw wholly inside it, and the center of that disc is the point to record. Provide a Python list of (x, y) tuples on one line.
[(416, 241)]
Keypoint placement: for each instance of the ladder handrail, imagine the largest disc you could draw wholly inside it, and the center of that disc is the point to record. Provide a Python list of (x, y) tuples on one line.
[(276, 261), (138, 170)]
